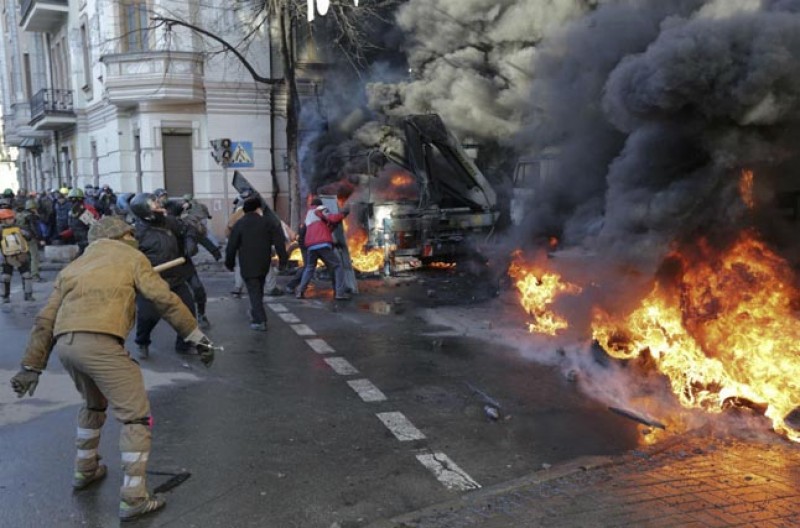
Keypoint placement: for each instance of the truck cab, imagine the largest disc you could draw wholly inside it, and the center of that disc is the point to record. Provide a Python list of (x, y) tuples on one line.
[(530, 173)]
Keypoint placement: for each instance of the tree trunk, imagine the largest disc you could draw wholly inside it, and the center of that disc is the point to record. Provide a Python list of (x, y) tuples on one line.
[(292, 117)]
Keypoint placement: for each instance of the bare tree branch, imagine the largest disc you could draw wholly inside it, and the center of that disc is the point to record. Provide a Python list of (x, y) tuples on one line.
[(169, 22)]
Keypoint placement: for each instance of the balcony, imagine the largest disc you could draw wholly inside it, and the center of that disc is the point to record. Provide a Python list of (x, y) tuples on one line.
[(43, 16), (154, 77), (52, 110)]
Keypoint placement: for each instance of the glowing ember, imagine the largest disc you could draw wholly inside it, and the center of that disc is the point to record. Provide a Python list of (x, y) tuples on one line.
[(442, 265), (297, 256), (363, 259), (746, 188), (726, 334), (538, 290), (402, 179)]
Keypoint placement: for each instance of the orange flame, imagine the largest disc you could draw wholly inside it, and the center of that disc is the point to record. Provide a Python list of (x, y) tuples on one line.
[(538, 290), (297, 255), (727, 333), (402, 179), (746, 188), (363, 259)]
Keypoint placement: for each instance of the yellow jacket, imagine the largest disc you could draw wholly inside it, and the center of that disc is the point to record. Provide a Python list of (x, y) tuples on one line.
[(96, 293)]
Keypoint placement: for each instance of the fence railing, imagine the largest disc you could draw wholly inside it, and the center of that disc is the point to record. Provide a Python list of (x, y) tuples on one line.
[(50, 101)]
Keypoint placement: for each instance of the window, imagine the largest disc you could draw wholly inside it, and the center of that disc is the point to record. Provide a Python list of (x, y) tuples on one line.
[(26, 64), (87, 59), (135, 25), (58, 67)]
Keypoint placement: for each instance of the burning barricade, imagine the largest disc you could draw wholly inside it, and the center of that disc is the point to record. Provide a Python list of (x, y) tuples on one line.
[(719, 322)]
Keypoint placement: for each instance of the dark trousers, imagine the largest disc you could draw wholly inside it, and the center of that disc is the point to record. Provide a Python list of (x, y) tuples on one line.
[(147, 316), (199, 293), (255, 290)]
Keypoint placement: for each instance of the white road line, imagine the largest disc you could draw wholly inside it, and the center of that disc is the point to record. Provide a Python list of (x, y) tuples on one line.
[(303, 330), (320, 346), (277, 307), (341, 366), (367, 391), (447, 472), (289, 317), (400, 426)]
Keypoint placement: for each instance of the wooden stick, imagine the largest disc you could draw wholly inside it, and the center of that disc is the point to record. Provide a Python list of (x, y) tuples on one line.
[(169, 264)]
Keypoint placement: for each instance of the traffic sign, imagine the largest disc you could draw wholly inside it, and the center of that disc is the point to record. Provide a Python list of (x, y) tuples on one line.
[(241, 155)]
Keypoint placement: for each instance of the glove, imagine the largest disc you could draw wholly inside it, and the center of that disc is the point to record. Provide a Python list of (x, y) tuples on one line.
[(345, 211), (25, 381), (217, 255), (205, 348)]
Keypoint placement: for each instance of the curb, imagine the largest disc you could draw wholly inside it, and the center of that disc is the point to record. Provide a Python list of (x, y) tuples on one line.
[(481, 498), (578, 465)]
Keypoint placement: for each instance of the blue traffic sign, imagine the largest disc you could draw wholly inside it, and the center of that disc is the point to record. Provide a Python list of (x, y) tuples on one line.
[(241, 155)]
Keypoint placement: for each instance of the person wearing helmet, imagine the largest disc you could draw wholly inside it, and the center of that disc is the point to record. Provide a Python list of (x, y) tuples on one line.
[(199, 210), (14, 243), (122, 207), (61, 210), (162, 196), (45, 210), (20, 199), (86, 320), (161, 238), (29, 218), (81, 217), (194, 236), (106, 200)]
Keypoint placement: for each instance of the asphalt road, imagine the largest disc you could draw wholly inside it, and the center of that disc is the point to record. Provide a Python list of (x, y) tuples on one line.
[(357, 416)]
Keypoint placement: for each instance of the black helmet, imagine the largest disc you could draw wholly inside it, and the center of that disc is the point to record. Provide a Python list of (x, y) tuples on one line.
[(144, 206)]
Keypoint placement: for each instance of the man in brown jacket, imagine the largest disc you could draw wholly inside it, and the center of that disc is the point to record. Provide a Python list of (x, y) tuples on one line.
[(86, 320)]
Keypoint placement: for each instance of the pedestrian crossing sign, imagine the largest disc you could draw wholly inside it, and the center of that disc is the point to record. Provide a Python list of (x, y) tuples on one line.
[(241, 155)]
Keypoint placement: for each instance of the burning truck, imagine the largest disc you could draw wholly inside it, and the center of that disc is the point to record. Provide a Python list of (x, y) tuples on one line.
[(427, 201)]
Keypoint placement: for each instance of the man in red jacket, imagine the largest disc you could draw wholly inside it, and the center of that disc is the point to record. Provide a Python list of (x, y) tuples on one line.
[(319, 244)]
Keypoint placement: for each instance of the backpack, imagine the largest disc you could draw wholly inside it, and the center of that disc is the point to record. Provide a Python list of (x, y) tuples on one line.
[(13, 242)]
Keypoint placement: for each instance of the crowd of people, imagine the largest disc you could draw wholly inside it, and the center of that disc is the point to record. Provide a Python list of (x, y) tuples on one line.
[(134, 268)]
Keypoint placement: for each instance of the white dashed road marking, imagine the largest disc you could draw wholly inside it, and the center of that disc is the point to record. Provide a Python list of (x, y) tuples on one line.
[(341, 366), (289, 317), (303, 330), (367, 391), (447, 472), (444, 469), (320, 346), (400, 426)]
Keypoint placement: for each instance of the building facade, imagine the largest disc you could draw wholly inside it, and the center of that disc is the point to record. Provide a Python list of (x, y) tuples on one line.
[(102, 92)]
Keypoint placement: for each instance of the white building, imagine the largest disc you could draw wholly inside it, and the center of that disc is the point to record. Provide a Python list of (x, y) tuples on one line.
[(94, 93)]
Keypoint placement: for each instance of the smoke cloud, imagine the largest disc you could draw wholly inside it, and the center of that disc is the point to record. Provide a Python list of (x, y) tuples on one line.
[(654, 123)]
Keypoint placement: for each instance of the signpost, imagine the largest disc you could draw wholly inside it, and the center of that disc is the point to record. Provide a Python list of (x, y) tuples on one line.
[(222, 153)]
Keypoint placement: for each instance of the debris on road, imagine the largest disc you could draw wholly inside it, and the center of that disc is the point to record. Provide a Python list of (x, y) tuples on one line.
[(637, 418)]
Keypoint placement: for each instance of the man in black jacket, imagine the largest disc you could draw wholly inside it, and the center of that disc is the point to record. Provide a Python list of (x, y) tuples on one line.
[(161, 238), (252, 238)]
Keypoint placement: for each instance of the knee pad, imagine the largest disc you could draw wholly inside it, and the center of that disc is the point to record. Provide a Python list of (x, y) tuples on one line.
[(6, 277), (26, 275)]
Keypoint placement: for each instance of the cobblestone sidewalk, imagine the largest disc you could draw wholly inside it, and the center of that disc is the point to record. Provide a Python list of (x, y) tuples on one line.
[(691, 481)]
